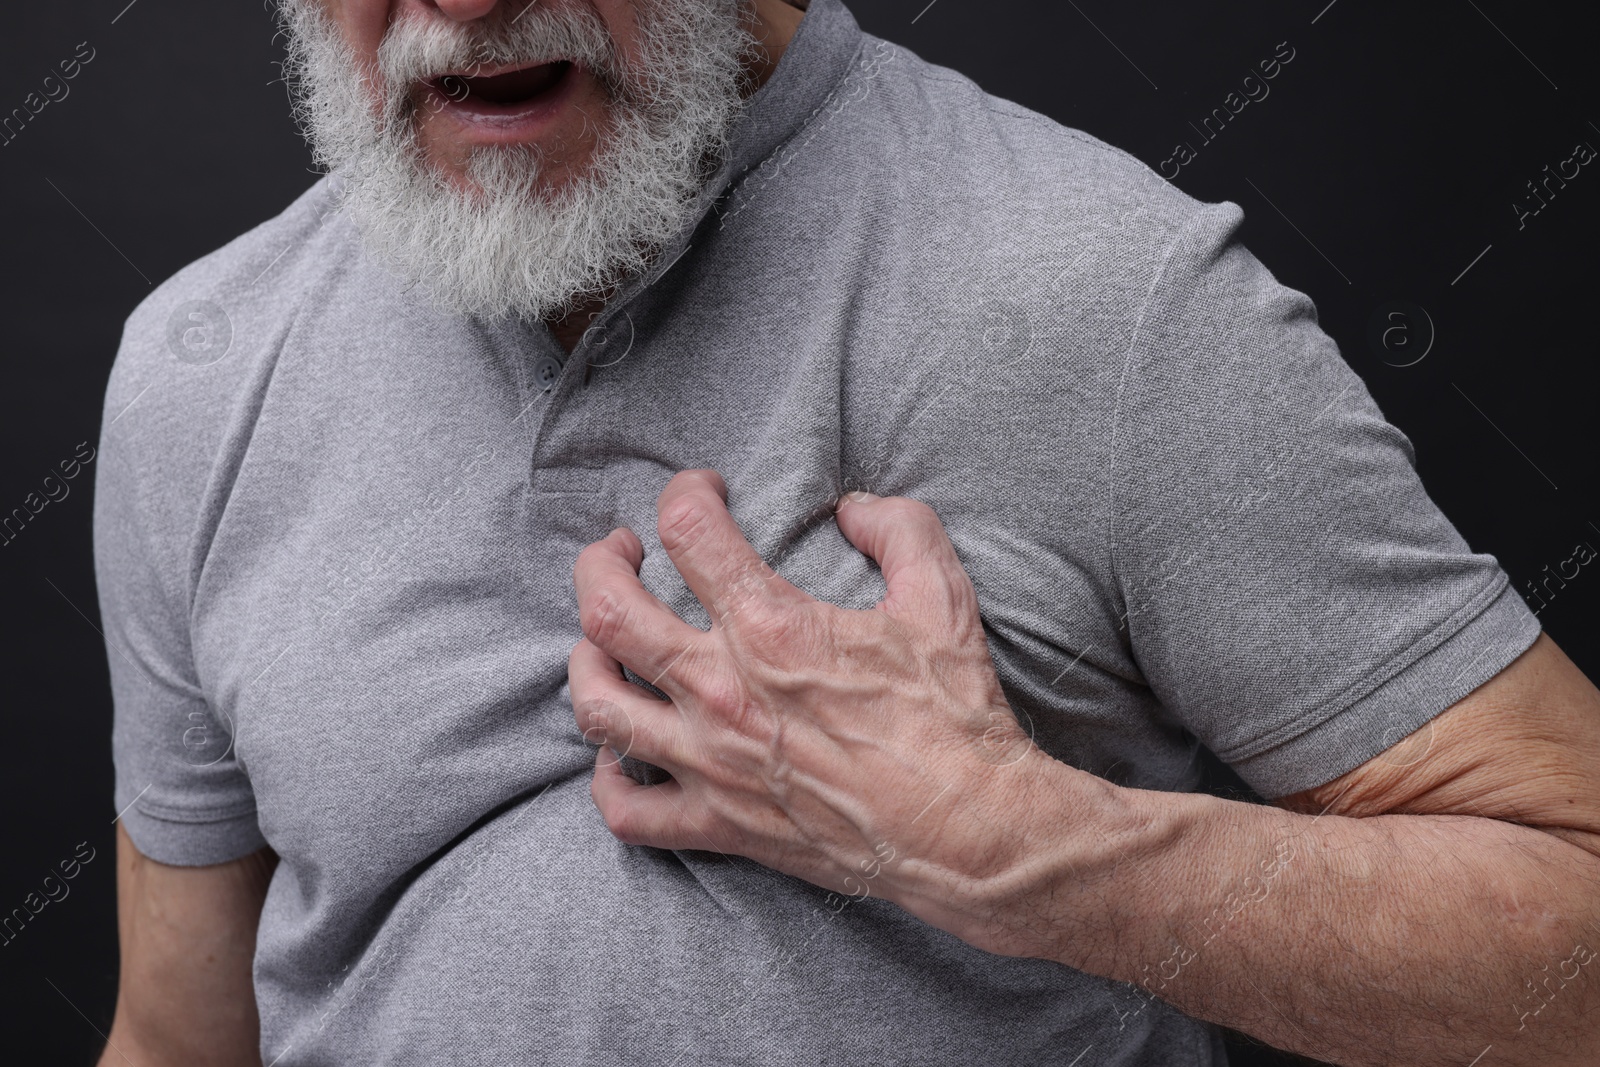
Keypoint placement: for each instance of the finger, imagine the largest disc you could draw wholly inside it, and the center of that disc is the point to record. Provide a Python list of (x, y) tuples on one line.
[(623, 618), (619, 716), (710, 550), (920, 567), (651, 815)]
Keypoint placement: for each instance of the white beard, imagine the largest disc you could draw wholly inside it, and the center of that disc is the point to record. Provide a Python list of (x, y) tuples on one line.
[(502, 246)]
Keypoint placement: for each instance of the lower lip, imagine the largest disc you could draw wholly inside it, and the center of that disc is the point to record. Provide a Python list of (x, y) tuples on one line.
[(504, 124)]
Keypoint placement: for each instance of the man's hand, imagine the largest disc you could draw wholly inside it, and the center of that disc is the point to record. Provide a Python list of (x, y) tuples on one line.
[(1439, 908), (869, 752)]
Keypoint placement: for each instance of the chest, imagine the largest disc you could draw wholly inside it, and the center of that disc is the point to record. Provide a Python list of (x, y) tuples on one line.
[(386, 608)]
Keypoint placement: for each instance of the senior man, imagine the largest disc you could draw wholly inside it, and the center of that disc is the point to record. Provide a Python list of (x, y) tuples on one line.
[(932, 484)]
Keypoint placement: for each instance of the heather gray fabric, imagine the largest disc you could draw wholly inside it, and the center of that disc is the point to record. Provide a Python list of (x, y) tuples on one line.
[(335, 532)]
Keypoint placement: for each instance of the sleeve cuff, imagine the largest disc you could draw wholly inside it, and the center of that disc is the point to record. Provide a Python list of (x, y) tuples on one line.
[(193, 844), (1480, 649)]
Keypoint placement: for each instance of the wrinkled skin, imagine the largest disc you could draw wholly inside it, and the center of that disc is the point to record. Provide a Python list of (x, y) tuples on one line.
[(868, 752)]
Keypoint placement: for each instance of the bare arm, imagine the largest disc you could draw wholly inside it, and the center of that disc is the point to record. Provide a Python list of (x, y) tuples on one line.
[(188, 936), (1438, 906)]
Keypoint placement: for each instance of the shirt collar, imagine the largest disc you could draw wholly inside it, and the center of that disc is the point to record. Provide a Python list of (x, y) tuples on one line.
[(817, 59)]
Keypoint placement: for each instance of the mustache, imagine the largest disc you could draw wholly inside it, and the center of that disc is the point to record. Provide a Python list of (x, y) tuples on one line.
[(501, 247), (420, 50)]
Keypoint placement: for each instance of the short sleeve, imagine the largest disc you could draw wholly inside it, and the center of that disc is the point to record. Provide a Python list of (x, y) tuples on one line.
[(180, 791), (1290, 591)]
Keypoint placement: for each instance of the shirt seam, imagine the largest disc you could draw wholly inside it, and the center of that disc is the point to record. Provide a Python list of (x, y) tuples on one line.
[(1136, 341), (253, 394), (207, 816)]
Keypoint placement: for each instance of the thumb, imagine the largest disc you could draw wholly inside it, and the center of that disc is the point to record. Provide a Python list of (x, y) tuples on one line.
[(920, 567)]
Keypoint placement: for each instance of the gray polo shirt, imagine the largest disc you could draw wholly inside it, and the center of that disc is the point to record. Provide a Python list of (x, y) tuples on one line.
[(335, 532)]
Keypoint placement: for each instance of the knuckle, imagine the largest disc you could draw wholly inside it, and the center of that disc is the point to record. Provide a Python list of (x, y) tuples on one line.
[(742, 602), (593, 713), (763, 628), (604, 615), (620, 822), (694, 667), (729, 701), (721, 694), (784, 633), (679, 524)]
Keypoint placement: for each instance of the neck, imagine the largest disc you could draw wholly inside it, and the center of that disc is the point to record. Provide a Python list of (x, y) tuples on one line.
[(773, 24)]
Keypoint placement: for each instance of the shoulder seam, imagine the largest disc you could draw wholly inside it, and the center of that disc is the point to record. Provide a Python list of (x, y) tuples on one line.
[(1135, 340)]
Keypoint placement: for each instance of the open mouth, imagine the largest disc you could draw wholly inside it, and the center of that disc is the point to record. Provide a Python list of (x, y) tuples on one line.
[(506, 93)]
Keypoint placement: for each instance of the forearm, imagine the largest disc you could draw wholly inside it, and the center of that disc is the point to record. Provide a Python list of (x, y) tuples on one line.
[(188, 938), (1396, 939)]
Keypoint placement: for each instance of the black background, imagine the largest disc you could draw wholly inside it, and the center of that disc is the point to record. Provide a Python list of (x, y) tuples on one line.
[(1385, 160)]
